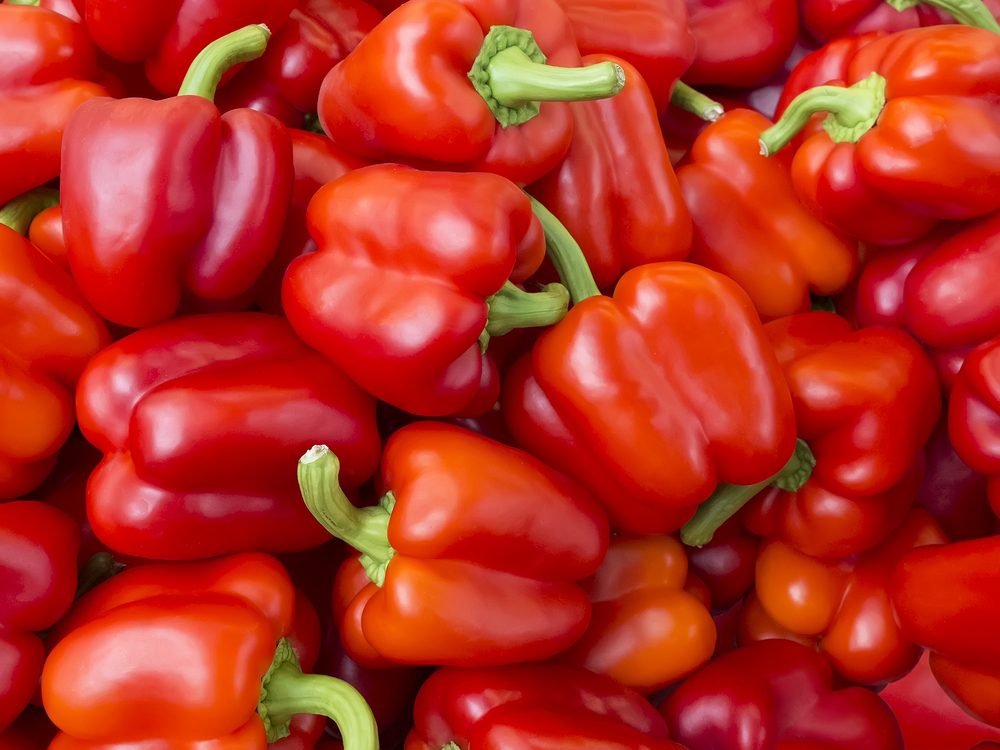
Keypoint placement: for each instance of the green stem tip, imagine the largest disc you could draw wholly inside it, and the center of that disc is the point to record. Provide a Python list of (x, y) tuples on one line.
[(727, 499), (512, 307), (686, 98), (566, 255), (208, 67), (20, 212), (967, 12)]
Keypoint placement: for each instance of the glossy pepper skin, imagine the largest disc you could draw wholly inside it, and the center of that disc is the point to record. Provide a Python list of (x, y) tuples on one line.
[(48, 332), (166, 36), (533, 706), (828, 63), (925, 77), (842, 607), (773, 695), (171, 654), (960, 628), (185, 473), (826, 20), (208, 220), (38, 546), (48, 66), (646, 631), (725, 564), (974, 415), (616, 191), (778, 253), (403, 94), (475, 552), (653, 397), (398, 293)]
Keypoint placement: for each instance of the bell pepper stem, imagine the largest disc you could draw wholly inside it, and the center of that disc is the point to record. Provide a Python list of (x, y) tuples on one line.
[(727, 499), (511, 75), (34, 3), (512, 307), (968, 12), (853, 112), (365, 529), (286, 691), (97, 570), (686, 98), (19, 213), (566, 255), (208, 67)]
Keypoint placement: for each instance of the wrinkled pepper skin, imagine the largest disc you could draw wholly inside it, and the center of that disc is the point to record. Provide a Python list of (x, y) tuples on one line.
[(616, 191), (779, 254), (842, 604), (396, 294), (653, 397), (167, 35), (206, 227), (527, 706), (960, 628), (974, 415), (185, 474), (492, 576), (285, 81), (774, 695), (653, 35), (866, 402), (38, 547), (48, 66), (830, 19), (48, 332), (403, 93), (646, 631)]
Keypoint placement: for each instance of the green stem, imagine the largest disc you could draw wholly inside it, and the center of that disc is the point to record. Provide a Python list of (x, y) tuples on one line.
[(97, 570), (19, 213), (822, 304), (729, 498), (208, 67), (512, 307), (566, 255), (853, 112), (365, 529), (286, 692), (968, 12), (511, 75), (695, 102), (34, 3)]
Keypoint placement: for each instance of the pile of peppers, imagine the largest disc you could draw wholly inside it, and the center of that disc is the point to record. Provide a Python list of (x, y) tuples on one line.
[(499, 375)]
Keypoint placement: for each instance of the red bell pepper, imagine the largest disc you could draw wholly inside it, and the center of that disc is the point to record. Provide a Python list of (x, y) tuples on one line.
[(285, 81), (943, 598), (47, 69), (616, 191), (217, 190), (38, 546), (779, 253), (198, 419), (488, 577), (403, 288), (168, 35), (830, 19), (646, 631), (47, 334), (930, 91), (652, 35), (726, 563), (776, 695), (170, 654), (533, 706), (46, 234), (974, 415), (841, 607), (458, 84)]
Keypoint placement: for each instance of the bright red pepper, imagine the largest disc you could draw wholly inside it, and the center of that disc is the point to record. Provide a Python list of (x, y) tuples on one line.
[(616, 191), (778, 253), (646, 631), (405, 94), (38, 546), (475, 550), (169, 654), (830, 19), (46, 233), (842, 607), (48, 332), (402, 288), (47, 69), (168, 35), (198, 218), (198, 419), (533, 706), (974, 415), (912, 83), (776, 695), (285, 81)]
